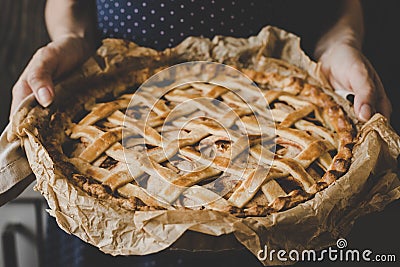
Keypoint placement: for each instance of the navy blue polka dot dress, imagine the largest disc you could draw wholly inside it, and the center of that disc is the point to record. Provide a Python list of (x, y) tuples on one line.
[(165, 23), (161, 24)]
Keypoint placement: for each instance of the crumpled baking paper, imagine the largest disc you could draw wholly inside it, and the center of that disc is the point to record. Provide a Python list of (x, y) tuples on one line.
[(369, 185)]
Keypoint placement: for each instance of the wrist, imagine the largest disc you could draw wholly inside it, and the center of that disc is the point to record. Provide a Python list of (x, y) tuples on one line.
[(347, 31), (346, 37), (70, 50), (79, 47), (344, 42)]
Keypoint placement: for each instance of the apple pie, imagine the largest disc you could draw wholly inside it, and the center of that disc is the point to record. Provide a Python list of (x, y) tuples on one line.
[(233, 139), (200, 145)]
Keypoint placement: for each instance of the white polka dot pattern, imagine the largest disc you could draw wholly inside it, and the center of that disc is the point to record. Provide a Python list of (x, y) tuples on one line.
[(249, 17), (165, 23)]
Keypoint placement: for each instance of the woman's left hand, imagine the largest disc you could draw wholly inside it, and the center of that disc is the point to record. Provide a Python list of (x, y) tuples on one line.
[(348, 69)]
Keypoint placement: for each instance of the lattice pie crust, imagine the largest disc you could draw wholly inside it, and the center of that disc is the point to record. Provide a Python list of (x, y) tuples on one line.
[(225, 164)]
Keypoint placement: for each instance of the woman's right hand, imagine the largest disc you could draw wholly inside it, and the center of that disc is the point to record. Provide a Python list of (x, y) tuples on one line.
[(47, 64)]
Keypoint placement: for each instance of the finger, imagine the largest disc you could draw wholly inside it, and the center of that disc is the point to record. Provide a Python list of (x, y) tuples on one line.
[(383, 103), (40, 81), (365, 93), (20, 90), (385, 107), (344, 91), (39, 75)]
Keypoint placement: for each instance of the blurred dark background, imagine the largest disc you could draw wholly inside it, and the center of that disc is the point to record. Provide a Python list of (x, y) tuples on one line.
[(22, 31)]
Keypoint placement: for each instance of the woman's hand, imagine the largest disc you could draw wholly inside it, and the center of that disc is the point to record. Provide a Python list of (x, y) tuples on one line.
[(347, 69), (48, 64), (345, 66)]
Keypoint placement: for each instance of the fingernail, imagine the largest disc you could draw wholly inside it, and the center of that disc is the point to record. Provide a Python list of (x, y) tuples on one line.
[(44, 96), (365, 112)]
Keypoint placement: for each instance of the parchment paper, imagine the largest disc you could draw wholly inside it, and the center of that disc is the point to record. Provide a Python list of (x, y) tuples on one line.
[(370, 184)]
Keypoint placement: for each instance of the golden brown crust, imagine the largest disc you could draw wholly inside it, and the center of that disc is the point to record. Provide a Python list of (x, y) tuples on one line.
[(115, 185)]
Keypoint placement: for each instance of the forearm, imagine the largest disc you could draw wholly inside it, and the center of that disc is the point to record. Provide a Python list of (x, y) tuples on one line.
[(349, 29), (72, 18)]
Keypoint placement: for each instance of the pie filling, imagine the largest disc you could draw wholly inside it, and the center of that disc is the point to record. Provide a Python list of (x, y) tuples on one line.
[(200, 146)]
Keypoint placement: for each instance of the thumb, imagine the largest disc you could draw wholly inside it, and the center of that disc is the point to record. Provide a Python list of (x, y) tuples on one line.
[(40, 81), (39, 74), (365, 93)]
